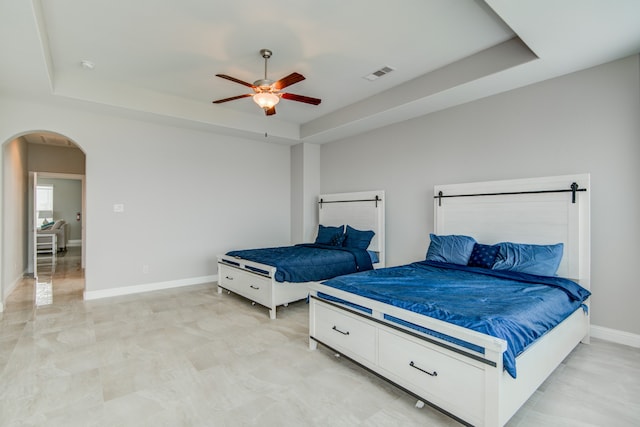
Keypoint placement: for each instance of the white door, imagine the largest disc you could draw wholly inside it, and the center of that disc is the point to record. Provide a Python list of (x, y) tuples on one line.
[(33, 221)]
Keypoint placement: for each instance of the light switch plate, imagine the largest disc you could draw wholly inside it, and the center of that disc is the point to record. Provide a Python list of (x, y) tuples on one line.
[(118, 207)]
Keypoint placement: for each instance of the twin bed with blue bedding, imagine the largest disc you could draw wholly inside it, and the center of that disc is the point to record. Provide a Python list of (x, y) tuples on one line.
[(308, 262), (349, 239), (478, 325)]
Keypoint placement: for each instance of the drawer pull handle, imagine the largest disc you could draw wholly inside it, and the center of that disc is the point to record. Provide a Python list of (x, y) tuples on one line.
[(338, 330), (228, 278), (413, 365), (254, 287)]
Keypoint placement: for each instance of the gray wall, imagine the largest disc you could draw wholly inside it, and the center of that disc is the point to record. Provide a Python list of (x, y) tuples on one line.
[(188, 195), (588, 121), (305, 187)]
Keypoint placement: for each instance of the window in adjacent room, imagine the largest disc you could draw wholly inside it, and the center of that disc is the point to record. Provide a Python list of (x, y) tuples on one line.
[(44, 203)]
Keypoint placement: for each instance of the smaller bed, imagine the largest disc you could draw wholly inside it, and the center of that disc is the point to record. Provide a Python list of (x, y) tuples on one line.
[(350, 239)]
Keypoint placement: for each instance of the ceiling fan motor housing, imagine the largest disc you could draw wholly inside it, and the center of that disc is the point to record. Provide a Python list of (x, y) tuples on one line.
[(263, 83)]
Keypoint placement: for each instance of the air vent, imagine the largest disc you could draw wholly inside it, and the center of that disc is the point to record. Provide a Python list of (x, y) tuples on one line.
[(379, 73)]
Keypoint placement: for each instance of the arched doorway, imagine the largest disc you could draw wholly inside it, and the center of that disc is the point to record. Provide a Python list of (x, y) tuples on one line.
[(26, 157)]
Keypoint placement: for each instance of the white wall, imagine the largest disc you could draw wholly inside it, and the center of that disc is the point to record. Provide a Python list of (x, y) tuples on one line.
[(188, 195), (583, 122), (14, 216)]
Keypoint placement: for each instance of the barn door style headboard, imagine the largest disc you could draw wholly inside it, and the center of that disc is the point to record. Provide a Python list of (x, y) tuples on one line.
[(361, 210), (544, 210)]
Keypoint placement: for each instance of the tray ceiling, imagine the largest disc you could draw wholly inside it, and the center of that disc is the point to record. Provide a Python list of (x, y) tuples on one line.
[(158, 59)]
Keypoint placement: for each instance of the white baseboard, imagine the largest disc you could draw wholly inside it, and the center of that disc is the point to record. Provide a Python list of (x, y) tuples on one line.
[(148, 287), (74, 243), (616, 336), (1, 307)]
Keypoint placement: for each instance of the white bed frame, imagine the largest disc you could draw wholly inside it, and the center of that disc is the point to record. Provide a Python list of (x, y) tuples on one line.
[(361, 210), (470, 386)]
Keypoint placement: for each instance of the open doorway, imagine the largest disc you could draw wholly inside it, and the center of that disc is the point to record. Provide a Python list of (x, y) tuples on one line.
[(53, 160), (59, 214)]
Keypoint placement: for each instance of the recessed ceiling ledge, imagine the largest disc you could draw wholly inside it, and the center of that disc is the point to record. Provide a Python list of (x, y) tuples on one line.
[(495, 59)]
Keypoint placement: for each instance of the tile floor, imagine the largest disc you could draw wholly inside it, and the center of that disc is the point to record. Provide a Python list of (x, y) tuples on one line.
[(191, 357)]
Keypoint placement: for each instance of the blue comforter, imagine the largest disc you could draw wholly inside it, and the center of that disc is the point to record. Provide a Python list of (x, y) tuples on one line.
[(309, 262), (516, 307)]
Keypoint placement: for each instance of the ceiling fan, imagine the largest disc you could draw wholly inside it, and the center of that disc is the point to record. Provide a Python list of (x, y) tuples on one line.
[(267, 92)]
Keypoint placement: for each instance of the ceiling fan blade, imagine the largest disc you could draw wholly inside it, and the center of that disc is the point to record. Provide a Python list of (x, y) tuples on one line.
[(271, 111), (233, 79), (301, 98), (288, 81), (233, 98)]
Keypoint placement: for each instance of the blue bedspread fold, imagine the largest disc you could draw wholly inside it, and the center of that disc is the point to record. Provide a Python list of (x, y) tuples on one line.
[(516, 307), (308, 262)]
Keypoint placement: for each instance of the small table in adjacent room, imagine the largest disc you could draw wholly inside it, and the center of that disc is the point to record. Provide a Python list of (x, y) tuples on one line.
[(46, 243)]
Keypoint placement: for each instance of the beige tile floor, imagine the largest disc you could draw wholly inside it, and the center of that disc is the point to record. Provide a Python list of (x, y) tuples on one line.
[(191, 357)]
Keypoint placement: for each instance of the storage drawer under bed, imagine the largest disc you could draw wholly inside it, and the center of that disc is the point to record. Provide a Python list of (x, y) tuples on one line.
[(345, 332), (436, 374), (449, 380), (250, 285)]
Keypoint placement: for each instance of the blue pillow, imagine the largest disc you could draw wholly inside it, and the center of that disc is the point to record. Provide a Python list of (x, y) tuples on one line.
[(541, 260), (357, 238), (454, 249), (483, 255), (330, 235)]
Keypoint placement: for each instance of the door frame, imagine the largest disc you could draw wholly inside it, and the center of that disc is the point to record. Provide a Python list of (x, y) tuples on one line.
[(32, 220)]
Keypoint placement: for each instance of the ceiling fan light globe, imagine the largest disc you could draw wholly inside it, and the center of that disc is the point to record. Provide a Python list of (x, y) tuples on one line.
[(266, 100)]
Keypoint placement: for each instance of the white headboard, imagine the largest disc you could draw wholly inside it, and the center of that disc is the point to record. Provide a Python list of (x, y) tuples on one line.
[(534, 210), (363, 210)]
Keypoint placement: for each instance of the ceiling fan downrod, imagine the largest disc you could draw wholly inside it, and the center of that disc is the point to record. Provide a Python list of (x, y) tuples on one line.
[(266, 54)]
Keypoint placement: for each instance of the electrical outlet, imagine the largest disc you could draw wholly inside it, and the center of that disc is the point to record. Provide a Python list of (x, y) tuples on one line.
[(145, 269)]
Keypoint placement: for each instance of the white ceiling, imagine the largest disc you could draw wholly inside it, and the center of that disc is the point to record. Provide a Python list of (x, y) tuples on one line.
[(158, 58)]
